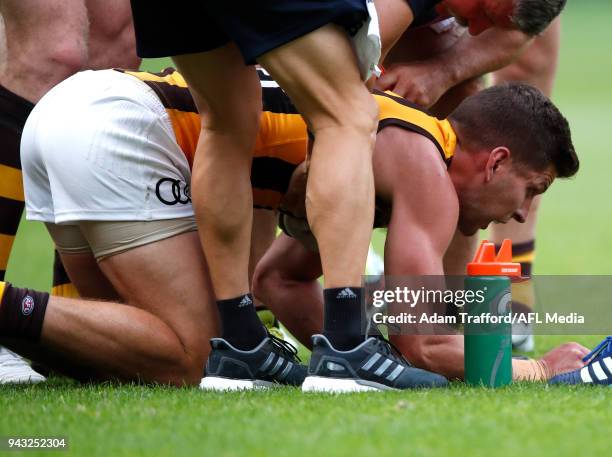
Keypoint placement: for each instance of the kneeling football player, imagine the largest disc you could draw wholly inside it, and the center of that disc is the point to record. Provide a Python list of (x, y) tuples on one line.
[(107, 160), (496, 152)]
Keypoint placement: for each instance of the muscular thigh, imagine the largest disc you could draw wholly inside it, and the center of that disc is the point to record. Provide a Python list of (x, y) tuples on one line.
[(168, 278), (319, 72)]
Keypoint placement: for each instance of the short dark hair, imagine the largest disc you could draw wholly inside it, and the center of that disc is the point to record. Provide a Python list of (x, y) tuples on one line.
[(533, 16), (522, 118)]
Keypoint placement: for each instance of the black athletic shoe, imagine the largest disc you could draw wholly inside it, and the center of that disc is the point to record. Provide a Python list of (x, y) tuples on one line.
[(271, 363), (373, 365)]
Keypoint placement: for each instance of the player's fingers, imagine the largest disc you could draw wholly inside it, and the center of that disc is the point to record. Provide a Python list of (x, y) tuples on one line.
[(403, 89), (387, 80), (421, 98), (580, 350)]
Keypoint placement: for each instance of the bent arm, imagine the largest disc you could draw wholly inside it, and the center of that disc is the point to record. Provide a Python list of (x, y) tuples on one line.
[(423, 220), (285, 281), (474, 56), (425, 81), (417, 251)]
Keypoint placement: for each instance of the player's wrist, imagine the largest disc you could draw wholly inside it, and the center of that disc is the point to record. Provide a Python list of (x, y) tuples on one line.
[(530, 370)]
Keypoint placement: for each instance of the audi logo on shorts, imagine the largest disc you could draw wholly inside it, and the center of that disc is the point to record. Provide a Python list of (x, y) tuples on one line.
[(172, 191)]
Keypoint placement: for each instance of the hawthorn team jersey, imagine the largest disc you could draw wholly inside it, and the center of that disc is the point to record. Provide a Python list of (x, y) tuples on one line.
[(282, 141)]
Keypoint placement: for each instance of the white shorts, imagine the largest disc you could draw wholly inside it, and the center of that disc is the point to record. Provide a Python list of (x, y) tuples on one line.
[(100, 147)]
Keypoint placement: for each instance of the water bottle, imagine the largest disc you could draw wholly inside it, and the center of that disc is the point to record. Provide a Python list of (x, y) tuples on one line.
[(488, 330)]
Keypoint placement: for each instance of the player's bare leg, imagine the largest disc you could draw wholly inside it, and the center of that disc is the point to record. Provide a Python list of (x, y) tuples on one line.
[(326, 88), (27, 70), (42, 43), (92, 284), (161, 332), (228, 95), (320, 74), (221, 188)]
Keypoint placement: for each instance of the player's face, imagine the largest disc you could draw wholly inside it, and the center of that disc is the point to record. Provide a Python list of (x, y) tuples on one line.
[(507, 196), (480, 15)]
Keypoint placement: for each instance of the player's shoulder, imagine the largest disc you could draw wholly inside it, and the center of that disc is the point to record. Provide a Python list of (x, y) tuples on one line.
[(407, 151), (408, 165)]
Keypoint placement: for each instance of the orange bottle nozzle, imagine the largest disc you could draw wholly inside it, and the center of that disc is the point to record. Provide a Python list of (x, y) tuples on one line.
[(487, 263)]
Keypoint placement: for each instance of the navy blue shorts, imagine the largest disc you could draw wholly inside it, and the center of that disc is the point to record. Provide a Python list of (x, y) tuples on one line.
[(256, 26)]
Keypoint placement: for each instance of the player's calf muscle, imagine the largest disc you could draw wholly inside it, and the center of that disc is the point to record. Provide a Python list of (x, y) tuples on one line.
[(121, 340)]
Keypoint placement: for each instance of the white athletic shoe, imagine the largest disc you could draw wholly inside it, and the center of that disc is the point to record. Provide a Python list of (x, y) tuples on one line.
[(15, 370), (523, 343)]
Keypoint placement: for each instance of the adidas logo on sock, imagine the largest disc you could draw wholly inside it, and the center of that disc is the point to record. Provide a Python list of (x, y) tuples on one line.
[(346, 293), (246, 301)]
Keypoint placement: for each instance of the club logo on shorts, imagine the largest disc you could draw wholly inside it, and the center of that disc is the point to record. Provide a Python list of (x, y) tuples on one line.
[(27, 305), (171, 191)]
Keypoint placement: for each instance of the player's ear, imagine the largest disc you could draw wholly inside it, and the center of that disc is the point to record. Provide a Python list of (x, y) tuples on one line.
[(497, 157)]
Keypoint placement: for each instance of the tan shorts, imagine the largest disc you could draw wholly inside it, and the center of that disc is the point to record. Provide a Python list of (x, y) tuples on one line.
[(107, 238)]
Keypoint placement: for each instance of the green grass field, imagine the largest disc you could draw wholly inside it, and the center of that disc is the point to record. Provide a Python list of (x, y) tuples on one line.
[(573, 238)]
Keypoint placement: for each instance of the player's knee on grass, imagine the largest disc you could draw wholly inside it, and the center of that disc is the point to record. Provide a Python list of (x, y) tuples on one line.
[(181, 371), (187, 314)]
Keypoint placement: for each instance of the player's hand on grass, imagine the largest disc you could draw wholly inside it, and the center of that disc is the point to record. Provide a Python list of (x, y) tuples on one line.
[(567, 357), (419, 82)]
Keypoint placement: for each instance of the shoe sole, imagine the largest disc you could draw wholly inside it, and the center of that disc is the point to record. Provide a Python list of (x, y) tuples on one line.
[(218, 384), (23, 380), (341, 386)]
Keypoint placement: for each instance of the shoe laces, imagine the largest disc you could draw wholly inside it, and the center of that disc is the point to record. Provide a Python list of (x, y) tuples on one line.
[(388, 348), (285, 347), (602, 349)]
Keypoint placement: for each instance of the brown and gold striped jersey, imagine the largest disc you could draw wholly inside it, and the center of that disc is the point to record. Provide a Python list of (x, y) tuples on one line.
[(282, 141)]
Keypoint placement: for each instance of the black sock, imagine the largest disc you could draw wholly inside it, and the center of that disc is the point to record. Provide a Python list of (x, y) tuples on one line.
[(240, 324), (342, 320), (22, 312)]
